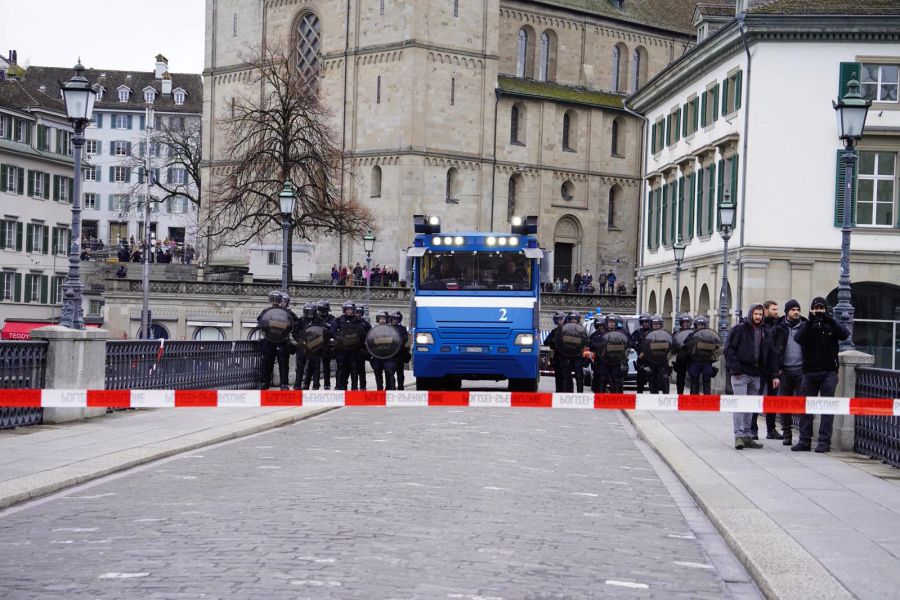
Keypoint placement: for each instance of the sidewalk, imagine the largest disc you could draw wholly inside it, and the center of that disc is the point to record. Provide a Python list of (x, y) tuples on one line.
[(35, 461), (805, 525)]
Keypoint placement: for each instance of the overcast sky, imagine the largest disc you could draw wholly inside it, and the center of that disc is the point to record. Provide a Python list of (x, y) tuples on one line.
[(107, 34)]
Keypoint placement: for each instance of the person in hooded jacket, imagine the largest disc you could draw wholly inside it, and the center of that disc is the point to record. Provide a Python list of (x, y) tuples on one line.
[(819, 338), (790, 360), (750, 356), (770, 319)]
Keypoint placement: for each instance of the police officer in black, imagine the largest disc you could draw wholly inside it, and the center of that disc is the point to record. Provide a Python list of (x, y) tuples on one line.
[(573, 364), (328, 319), (300, 325), (350, 335), (315, 340), (558, 319), (405, 355), (656, 348), (610, 355), (363, 355), (680, 365), (701, 349), (637, 342), (276, 323), (385, 369)]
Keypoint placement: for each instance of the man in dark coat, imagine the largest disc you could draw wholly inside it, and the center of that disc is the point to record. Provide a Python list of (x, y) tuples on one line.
[(790, 360), (750, 356), (819, 338)]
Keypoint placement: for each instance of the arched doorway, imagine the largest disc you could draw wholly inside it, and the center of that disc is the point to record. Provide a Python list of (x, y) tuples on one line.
[(876, 321), (566, 247), (703, 302), (684, 305), (667, 310), (651, 303)]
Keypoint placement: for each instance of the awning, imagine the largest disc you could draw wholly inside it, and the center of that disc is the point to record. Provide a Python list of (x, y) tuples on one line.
[(21, 330)]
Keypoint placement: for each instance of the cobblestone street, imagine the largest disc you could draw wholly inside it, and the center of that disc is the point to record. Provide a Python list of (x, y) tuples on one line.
[(373, 503)]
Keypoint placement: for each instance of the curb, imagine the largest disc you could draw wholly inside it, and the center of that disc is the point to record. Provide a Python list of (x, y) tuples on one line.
[(779, 565), (30, 487)]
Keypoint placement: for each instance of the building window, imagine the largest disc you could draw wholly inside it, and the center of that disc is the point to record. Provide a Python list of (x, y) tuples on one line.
[(691, 112), (880, 82), (234, 25), (90, 201), (91, 147), (9, 285), (22, 129), (38, 183), (176, 123), (452, 91), (455, 8), (4, 126), (517, 124), (876, 193), (34, 290), (14, 179), (149, 96), (709, 110), (611, 208), (120, 174), (9, 229), (177, 176), (452, 187), (567, 191), (511, 195), (90, 173), (376, 182), (123, 95), (61, 241), (179, 98), (381, 7), (616, 67), (673, 127), (209, 334), (378, 90), (95, 307), (521, 53), (36, 239), (273, 258), (569, 130), (177, 205), (308, 43), (120, 148), (635, 70), (544, 65), (615, 138), (731, 93)]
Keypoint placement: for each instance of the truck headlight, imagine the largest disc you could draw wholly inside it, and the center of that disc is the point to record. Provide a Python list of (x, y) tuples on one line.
[(424, 338), (524, 339)]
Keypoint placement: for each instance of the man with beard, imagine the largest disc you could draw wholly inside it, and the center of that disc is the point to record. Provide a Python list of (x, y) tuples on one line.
[(790, 360), (770, 320)]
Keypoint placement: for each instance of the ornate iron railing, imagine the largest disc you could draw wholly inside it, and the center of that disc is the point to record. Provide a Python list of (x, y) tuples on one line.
[(22, 365), (878, 437), (620, 303), (188, 365)]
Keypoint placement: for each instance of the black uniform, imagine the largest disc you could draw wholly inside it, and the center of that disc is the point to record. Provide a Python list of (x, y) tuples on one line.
[(637, 341), (349, 358), (274, 349), (328, 320), (405, 356), (300, 325), (556, 359)]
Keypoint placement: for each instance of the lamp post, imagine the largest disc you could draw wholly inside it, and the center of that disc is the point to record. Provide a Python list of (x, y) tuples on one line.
[(287, 198), (79, 98), (149, 118), (726, 224), (678, 248), (369, 247), (851, 112)]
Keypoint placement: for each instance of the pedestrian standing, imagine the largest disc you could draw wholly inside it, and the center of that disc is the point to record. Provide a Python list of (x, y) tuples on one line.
[(770, 320), (790, 360), (610, 281), (601, 282), (819, 339), (750, 355)]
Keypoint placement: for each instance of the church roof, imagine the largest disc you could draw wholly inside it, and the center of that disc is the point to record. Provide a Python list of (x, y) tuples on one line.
[(829, 7), (530, 88), (20, 95), (675, 15)]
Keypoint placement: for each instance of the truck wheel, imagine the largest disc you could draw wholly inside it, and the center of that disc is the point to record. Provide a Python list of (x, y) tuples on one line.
[(524, 385), (423, 384)]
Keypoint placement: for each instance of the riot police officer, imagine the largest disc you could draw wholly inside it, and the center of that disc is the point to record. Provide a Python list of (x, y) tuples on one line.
[(324, 309), (300, 325), (405, 355), (637, 343), (314, 340), (384, 345), (559, 319), (349, 336), (571, 342), (276, 322), (610, 354), (360, 371), (702, 351), (656, 349), (680, 366)]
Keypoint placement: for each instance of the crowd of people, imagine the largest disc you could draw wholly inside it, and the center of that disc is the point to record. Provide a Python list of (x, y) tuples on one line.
[(584, 283), (384, 276), (161, 251)]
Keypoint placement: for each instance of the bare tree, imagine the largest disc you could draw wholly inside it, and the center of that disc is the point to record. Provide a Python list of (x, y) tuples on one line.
[(281, 134)]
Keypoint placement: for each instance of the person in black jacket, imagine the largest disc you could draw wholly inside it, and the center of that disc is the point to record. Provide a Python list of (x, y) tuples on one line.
[(770, 320), (750, 356), (819, 338), (790, 360), (559, 319)]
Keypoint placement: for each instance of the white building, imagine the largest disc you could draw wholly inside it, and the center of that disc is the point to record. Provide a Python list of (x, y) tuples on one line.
[(113, 181), (748, 112)]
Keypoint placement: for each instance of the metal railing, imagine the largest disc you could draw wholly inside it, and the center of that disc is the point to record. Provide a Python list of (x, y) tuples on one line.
[(183, 365), (22, 365), (878, 437)]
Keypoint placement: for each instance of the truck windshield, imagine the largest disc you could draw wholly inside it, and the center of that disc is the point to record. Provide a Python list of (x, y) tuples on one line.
[(504, 271)]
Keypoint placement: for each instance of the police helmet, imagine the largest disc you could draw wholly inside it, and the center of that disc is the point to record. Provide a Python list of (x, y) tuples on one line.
[(397, 317), (685, 318), (323, 307), (701, 322), (559, 317), (285, 300), (656, 321), (309, 310), (349, 308), (612, 317), (573, 317), (360, 310), (644, 319), (383, 318), (275, 297)]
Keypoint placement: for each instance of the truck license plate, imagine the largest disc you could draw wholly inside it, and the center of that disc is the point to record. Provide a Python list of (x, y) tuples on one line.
[(474, 349)]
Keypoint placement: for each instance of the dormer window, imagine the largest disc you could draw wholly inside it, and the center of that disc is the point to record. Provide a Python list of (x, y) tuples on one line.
[(179, 95), (124, 93), (100, 90), (149, 95)]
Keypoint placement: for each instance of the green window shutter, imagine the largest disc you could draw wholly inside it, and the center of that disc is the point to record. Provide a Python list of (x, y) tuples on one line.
[(129, 121), (140, 174), (682, 231), (692, 183), (28, 132), (45, 233), (46, 177), (3, 176), (734, 179), (17, 288), (650, 219), (665, 214), (720, 189), (738, 89), (71, 182), (673, 209), (55, 239), (20, 173), (98, 174), (839, 186), (678, 125), (143, 122), (725, 106), (18, 237), (711, 205), (56, 187), (54, 287), (29, 237), (2, 282), (127, 175), (684, 119), (112, 175), (715, 106), (848, 71), (2, 238), (99, 120), (28, 282), (653, 139), (43, 283), (703, 110), (30, 182)]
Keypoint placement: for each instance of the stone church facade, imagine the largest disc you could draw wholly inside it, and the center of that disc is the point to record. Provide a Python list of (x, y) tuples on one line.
[(472, 110)]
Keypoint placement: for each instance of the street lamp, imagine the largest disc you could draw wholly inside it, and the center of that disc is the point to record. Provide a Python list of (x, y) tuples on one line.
[(678, 248), (369, 247), (146, 319), (79, 98), (287, 198), (851, 111), (726, 224)]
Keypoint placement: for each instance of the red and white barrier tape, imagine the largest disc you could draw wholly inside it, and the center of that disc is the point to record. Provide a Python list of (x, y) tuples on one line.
[(318, 398)]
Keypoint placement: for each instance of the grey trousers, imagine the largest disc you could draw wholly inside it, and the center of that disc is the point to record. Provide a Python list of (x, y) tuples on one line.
[(744, 385)]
